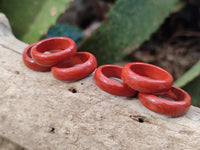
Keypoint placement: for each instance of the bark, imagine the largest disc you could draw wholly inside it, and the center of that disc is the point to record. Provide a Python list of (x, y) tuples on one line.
[(41, 113)]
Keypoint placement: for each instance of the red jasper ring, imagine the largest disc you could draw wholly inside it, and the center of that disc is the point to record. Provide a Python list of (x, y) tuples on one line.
[(111, 86), (167, 107), (63, 48), (78, 67), (146, 78), (28, 61)]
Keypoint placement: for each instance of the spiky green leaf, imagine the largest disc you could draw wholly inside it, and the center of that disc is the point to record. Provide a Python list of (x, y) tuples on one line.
[(190, 75), (130, 22), (31, 18)]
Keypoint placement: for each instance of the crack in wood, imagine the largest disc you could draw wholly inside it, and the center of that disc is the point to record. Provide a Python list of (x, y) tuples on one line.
[(6, 47)]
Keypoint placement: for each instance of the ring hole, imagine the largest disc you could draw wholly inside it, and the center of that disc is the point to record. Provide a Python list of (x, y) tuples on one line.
[(67, 65), (70, 66), (167, 98), (116, 79), (149, 71), (172, 95), (75, 65), (47, 52), (53, 51)]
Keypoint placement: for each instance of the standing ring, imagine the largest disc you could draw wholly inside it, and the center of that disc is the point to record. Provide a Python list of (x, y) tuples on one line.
[(167, 107), (62, 48), (111, 86), (146, 78), (75, 68), (29, 62)]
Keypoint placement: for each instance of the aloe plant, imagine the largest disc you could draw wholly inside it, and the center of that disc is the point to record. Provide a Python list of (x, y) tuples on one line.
[(129, 23), (30, 19), (190, 82)]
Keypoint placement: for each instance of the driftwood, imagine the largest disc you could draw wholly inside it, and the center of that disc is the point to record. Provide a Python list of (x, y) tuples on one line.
[(41, 113)]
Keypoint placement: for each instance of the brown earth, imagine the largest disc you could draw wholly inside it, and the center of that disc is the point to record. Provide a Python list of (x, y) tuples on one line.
[(176, 45)]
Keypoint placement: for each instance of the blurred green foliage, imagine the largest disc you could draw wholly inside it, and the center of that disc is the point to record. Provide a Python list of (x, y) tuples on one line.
[(190, 82), (130, 23), (193, 88), (190, 75), (30, 19), (67, 31)]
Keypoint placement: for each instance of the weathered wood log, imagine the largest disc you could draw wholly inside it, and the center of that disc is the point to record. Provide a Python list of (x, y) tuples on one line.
[(6, 144), (41, 113)]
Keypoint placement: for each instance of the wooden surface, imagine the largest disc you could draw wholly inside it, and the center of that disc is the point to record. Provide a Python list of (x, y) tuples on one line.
[(41, 113)]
